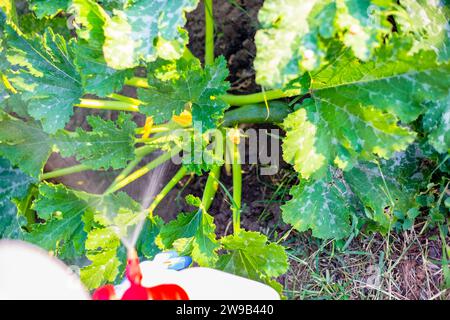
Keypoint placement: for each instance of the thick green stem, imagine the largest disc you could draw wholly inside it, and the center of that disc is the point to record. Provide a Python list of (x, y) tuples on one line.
[(142, 171), (237, 185), (232, 99), (107, 105), (209, 32), (240, 100), (212, 184), (257, 113), (125, 99), (154, 129), (169, 186), (137, 82), (65, 171)]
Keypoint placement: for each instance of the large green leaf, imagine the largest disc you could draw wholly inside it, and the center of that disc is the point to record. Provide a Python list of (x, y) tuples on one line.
[(380, 193), (354, 109), (146, 30), (14, 184), (251, 256), (105, 263), (294, 36), (146, 243), (321, 205), (79, 223), (25, 145), (191, 234), (190, 87), (10, 222), (63, 211), (47, 79), (109, 145), (48, 7), (428, 21), (377, 190), (115, 213), (96, 76), (436, 122)]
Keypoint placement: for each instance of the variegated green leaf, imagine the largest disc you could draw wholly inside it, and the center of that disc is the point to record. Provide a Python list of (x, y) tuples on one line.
[(322, 206), (436, 122), (294, 36), (355, 108), (109, 145), (146, 30), (96, 76), (46, 77), (25, 145)]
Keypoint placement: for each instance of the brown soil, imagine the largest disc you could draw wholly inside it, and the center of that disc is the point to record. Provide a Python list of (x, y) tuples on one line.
[(235, 27)]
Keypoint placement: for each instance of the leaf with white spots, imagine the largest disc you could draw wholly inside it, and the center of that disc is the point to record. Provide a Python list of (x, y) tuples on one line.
[(355, 108), (46, 77), (380, 193), (109, 145), (96, 76), (10, 222), (436, 122), (25, 145), (294, 36), (146, 243), (64, 212), (249, 254), (428, 23), (146, 30), (115, 4), (104, 268), (322, 206), (14, 184), (376, 191), (116, 213)]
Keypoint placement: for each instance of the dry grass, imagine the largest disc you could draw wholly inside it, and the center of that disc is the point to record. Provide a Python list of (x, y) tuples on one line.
[(403, 266)]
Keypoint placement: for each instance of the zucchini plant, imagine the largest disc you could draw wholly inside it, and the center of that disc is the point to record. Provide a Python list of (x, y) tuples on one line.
[(366, 109)]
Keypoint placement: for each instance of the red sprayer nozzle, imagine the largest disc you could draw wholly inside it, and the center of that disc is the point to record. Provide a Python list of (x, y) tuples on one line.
[(133, 271), (136, 291)]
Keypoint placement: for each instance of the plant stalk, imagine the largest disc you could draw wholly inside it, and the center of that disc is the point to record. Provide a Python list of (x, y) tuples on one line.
[(125, 99), (211, 187), (232, 99), (65, 171), (240, 100), (209, 32), (107, 105), (257, 113), (237, 186)]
